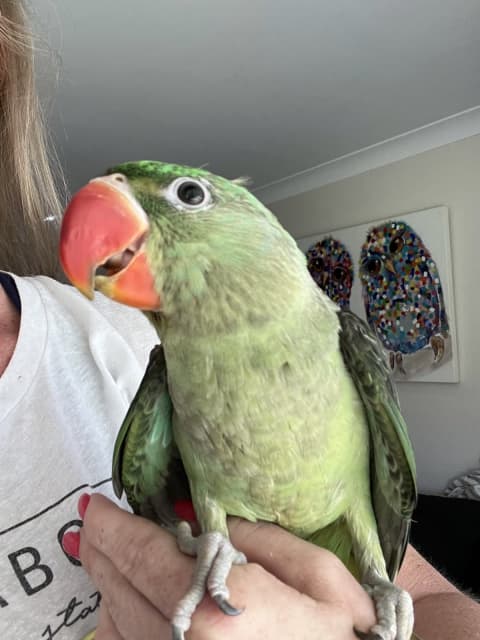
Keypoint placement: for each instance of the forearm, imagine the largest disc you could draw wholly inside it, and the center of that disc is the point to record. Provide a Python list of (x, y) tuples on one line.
[(442, 612), (447, 616)]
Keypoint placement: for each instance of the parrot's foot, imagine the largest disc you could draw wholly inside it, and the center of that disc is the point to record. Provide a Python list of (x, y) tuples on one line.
[(394, 609), (215, 557)]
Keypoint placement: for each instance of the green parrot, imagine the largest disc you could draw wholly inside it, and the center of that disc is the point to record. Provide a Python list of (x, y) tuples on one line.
[(263, 401)]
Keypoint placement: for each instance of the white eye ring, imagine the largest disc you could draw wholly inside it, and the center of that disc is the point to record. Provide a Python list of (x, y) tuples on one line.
[(189, 194)]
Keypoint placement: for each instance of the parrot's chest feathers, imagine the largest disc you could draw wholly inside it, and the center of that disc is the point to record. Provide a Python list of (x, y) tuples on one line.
[(255, 428)]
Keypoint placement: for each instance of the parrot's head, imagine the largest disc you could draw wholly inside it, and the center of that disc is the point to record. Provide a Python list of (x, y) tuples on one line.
[(178, 240)]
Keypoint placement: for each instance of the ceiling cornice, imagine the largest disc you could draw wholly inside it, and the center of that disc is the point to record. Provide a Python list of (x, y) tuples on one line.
[(436, 134)]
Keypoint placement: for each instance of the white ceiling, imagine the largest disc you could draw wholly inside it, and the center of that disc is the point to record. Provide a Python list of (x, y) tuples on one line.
[(265, 88)]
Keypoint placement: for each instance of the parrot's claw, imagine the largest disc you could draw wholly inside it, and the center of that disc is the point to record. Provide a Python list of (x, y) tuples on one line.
[(177, 633), (226, 607), (394, 609), (215, 557), (367, 636)]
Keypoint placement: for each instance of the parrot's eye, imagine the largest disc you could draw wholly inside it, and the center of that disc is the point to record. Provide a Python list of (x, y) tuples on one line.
[(191, 193), (339, 274), (374, 266), (397, 244), (188, 193)]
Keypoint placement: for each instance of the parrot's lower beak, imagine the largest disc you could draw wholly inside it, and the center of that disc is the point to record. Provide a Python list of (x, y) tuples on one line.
[(102, 244)]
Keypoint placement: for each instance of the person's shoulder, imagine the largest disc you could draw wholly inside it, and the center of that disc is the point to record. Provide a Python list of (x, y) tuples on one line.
[(129, 323), (66, 295)]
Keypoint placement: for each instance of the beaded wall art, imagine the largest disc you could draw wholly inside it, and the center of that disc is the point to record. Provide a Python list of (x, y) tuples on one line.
[(397, 275)]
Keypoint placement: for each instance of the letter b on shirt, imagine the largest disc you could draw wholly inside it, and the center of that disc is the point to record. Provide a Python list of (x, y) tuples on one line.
[(33, 575)]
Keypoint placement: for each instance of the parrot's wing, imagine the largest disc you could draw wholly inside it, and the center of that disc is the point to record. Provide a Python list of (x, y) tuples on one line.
[(145, 456), (393, 473)]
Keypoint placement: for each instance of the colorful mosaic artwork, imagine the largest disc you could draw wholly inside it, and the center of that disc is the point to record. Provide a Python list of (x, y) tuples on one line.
[(402, 291), (402, 288), (331, 266)]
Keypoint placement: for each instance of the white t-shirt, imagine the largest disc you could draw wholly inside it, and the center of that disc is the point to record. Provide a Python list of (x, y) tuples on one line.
[(63, 396)]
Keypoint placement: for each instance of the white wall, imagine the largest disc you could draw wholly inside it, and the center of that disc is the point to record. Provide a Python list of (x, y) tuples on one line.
[(444, 419)]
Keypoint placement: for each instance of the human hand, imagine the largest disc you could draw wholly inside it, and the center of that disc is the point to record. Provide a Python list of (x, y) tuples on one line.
[(289, 589)]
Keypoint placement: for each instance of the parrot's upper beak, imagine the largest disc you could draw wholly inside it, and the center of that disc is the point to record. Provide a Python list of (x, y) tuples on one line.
[(104, 228)]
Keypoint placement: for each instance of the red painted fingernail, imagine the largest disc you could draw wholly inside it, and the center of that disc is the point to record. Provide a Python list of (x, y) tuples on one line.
[(83, 504), (71, 543), (184, 510)]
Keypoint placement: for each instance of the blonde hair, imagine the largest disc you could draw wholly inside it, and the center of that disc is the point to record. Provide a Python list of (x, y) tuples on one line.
[(30, 206)]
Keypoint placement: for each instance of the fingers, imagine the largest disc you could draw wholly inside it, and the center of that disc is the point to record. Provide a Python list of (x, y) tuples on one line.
[(289, 558), (106, 630), (148, 556), (142, 551), (304, 566), (134, 615)]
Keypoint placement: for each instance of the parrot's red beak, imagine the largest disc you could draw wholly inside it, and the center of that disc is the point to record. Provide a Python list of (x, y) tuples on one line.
[(102, 244)]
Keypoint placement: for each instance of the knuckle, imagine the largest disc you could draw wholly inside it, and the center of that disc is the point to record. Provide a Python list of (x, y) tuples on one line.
[(320, 575), (132, 554), (254, 572)]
